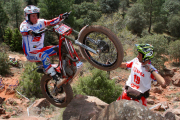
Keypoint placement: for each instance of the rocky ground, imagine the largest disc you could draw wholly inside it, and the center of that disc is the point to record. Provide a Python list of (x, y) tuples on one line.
[(160, 100)]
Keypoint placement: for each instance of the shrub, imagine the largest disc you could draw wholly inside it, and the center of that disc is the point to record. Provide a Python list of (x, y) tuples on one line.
[(160, 44), (174, 49), (97, 84), (109, 6), (30, 83), (174, 25), (16, 44), (4, 66), (159, 28), (8, 36), (136, 21)]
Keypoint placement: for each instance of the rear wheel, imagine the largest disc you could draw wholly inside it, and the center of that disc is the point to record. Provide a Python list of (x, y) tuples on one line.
[(110, 51), (59, 97)]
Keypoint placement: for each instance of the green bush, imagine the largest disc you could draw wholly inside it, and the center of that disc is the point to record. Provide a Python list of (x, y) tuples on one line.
[(160, 44), (136, 21), (8, 36), (159, 28), (4, 66), (29, 84), (174, 50), (97, 84), (16, 44), (174, 25)]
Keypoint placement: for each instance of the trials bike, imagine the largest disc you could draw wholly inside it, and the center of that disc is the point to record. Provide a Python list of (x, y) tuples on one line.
[(97, 44)]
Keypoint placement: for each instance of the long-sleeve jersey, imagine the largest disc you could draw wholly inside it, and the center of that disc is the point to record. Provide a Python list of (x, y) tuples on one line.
[(31, 43)]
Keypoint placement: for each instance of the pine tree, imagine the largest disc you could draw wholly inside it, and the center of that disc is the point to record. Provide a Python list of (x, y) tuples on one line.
[(15, 12)]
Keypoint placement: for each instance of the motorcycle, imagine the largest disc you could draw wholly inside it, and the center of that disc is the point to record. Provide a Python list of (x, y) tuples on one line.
[(97, 45)]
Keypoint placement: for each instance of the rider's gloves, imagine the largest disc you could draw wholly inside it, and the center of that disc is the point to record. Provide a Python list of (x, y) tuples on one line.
[(35, 33), (149, 68), (64, 16)]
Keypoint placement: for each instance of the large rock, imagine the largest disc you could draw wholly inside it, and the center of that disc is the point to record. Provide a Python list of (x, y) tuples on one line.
[(41, 103), (176, 80), (156, 90), (172, 114), (83, 108), (168, 72), (126, 110), (9, 91), (1, 100), (2, 111)]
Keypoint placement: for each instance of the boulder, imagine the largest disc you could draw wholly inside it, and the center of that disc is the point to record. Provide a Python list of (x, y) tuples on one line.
[(1, 100), (126, 110), (168, 72), (176, 80), (172, 114), (41, 103), (11, 101), (9, 91), (150, 101), (156, 90), (2, 111), (167, 79), (83, 108)]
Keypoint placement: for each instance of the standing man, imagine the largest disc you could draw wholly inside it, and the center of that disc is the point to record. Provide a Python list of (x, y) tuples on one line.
[(142, 73)]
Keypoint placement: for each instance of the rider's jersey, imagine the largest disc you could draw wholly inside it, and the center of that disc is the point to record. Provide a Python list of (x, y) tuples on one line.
[(30, 42), (139, 79)]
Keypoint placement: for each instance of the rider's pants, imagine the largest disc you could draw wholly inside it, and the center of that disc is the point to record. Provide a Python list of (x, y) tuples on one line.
[(143, 100), (41, 55)]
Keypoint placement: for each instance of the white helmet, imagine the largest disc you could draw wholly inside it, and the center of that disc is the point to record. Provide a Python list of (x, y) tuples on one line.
[(30, 9)]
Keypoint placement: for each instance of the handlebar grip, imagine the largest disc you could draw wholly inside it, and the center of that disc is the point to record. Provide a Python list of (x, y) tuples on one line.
[(39, 32)]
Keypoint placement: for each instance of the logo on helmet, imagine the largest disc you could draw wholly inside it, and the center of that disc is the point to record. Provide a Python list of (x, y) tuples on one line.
[(35, 10), (149, 54)]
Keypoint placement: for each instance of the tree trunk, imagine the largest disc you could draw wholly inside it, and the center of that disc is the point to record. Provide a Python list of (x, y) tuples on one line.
[(127, 3), (150, 18)]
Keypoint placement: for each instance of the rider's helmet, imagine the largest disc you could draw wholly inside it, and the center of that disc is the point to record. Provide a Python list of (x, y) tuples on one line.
[(147, 50), (30, 9)]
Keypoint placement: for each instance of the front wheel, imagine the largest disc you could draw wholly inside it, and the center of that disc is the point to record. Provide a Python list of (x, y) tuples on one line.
[(110, 51), (59, 97)]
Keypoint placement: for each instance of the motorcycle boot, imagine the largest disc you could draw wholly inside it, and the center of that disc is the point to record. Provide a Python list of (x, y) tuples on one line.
[(53, 73)]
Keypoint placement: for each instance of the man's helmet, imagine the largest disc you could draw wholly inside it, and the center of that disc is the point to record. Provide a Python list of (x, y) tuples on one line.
[(147, 50), (30, 9)]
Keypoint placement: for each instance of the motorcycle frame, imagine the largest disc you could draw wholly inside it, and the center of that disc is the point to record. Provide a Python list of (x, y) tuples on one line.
[(67, 40)]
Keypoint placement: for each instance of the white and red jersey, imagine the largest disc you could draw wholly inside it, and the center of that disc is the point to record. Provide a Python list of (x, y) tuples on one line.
[(30, 42), (139, 79)]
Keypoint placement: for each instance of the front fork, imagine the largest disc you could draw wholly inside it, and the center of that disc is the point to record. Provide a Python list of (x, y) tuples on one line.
[(69, 53)]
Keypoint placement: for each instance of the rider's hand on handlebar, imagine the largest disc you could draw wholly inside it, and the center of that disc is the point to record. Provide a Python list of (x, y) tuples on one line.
[(64, 16), (34, 33)]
